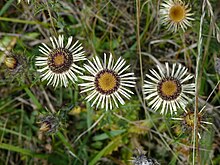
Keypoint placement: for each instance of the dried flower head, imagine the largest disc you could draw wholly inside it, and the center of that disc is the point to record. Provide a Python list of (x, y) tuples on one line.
[(11, 62), (58, 64), (141, 159), (175, 14), (168, 88), (49, 124), (108, 82), (188, 123), (15, 63)]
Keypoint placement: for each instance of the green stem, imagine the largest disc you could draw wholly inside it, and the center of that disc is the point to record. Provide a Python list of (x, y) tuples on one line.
[(138, 39), (23, 21), (196, 111), (22, 151), (33, 98), (67, 144)]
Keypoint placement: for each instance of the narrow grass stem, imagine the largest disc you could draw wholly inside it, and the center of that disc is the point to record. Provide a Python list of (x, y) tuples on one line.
[(68, 145), (138, 40), (196, 111), (23, 21), (100, 118), (212, 91)]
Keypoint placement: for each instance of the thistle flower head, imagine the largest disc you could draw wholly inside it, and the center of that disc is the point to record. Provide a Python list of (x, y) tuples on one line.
[(11, 62), (168, 89), (15, 63), (108, 82), (49, 124), (57, 65), (175, 14), (188, 120)]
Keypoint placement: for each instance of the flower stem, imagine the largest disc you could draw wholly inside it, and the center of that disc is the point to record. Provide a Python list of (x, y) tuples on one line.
[(197, 80), (138, 39), (23, 21)]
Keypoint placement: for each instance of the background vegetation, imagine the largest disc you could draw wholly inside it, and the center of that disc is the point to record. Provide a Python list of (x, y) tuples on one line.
[(87, 135)]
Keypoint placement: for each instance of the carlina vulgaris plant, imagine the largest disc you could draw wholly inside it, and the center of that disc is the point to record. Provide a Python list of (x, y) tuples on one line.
[(58, 65), (108, 82), (176, 14), (53, 121), (49, 124), (16, 63), (169, 89), (187, 120)]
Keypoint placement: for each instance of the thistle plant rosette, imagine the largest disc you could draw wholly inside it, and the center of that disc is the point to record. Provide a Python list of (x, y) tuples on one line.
[(168, 90), (108, 82), (176, 14), (58, 64)]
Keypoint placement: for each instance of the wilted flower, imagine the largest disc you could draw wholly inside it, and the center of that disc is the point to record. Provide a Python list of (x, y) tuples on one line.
[(15, 63), (188, 123), (11, 62), (49, 124)]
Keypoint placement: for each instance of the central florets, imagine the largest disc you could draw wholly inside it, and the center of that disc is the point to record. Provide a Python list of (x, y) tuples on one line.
[(60, 60), (107, 81), (169, 88), (177, 13), (189, 119)]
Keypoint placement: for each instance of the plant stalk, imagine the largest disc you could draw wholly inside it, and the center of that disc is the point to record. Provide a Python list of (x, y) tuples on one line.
[(197, 86)]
